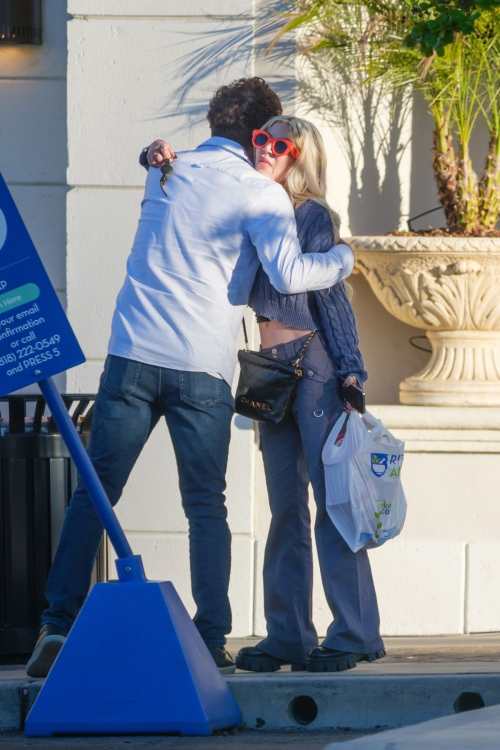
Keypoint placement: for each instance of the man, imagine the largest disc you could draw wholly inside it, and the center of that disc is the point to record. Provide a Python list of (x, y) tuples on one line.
[(198, 245)]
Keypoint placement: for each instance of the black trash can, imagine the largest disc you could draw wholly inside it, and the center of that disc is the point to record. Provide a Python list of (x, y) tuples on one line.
[(37, 479)]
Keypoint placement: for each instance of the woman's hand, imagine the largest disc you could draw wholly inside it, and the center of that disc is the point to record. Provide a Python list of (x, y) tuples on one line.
[(159, 152), (350, 380)]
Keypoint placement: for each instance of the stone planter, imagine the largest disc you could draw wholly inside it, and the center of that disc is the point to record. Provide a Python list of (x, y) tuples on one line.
[(450, 287)]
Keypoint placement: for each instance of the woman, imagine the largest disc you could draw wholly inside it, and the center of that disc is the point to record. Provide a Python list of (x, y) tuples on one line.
[(290, 151)]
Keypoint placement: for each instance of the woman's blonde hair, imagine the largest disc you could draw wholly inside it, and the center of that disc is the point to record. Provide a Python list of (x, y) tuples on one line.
[(306, 178)]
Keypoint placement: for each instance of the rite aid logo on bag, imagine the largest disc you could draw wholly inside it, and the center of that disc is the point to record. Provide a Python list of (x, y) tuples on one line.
[(381, 463)]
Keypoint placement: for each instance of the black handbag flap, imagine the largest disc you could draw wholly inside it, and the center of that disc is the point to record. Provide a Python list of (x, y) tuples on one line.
[(268, 363)]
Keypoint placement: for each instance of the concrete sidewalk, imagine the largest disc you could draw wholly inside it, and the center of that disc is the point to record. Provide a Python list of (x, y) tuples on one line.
[(420, 679), (244, 740), (474, 730)]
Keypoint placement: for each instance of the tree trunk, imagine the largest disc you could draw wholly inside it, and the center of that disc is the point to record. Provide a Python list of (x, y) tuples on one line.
[(489, 186), (445, 170), (468, 196)]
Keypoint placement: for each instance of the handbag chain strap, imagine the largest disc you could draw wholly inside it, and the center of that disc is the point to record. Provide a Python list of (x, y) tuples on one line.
[(247, 345), (302, 354)]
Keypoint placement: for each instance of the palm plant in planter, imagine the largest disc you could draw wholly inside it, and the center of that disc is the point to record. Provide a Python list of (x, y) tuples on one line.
[(445, 281)]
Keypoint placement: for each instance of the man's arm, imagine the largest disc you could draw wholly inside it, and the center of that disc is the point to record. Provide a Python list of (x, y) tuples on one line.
[(273, 231)]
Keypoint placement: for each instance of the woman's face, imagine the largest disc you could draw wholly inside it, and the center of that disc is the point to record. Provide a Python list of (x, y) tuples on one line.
[(266, 162)]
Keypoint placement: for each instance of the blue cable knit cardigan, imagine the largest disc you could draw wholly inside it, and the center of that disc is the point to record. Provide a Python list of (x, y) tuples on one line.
[(328, 310)]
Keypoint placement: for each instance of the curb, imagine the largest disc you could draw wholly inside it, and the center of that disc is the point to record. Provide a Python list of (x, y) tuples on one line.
[(16, 700), (316, 702), (10, 705), (356, 702)]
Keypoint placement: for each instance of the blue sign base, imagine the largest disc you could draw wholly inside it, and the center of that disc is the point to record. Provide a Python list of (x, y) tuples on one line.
[(133, 663)]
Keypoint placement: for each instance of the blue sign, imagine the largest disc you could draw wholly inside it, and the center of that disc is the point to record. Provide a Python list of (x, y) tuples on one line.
[(36, 339)]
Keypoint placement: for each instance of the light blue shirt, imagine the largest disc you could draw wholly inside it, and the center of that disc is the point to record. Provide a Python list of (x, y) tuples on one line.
[(195, 255)]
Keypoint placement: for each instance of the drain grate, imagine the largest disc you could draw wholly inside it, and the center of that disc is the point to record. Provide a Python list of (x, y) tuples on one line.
[(303, 709), (468, 702)]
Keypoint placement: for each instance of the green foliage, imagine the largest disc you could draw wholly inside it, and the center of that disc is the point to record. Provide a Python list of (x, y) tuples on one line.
[(449, 51), (435, 23)]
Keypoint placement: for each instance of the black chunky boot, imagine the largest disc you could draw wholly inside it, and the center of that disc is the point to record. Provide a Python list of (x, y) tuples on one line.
[(323, 659), (252, 659)]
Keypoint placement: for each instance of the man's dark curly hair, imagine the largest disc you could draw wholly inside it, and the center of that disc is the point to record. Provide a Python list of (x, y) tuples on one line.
[(241, 107)]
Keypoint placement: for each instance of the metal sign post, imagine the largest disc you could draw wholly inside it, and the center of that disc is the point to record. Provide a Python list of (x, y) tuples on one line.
[(133, 663)]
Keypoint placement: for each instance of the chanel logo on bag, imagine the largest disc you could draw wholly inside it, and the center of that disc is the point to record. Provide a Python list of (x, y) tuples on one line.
[(255, 404)]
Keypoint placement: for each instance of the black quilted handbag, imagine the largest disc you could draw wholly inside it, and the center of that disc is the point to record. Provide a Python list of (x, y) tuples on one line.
[(266, 385)]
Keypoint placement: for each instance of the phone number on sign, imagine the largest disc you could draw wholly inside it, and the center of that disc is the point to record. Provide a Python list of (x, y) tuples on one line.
[(32, 352)]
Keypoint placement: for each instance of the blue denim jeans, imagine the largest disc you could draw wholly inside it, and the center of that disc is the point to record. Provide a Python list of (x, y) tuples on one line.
[(198, 409), (292, 458)]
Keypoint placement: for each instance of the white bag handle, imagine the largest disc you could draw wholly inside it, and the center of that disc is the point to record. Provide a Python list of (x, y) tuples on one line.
[(369, 420), (375, 426)]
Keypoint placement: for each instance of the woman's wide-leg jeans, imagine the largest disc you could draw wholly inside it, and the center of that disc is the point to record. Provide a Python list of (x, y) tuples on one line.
[(292, 458)]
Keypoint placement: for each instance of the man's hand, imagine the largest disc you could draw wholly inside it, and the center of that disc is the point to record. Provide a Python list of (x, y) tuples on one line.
[(159, 152)]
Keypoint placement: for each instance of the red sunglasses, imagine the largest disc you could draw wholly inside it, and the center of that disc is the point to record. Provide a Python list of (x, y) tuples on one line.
[(279, 146)]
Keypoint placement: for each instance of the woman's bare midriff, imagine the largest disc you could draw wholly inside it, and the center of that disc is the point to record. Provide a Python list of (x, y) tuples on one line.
[(274, 332)]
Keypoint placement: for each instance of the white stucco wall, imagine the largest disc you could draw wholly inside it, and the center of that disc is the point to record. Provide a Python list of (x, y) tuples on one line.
[(141, 69)]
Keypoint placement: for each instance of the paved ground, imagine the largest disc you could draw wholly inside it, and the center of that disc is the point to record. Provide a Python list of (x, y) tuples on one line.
[(307, 740), (484, 647), (420, 679), (474, 730)]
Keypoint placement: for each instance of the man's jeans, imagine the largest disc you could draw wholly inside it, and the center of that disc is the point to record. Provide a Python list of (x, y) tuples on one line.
[(198, 409)]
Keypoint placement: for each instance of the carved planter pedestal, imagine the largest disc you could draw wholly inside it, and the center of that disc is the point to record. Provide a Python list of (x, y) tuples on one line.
[(450, 287)]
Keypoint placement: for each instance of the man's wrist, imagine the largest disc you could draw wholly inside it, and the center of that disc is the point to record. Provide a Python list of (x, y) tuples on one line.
[(347, 259), (143, 158)]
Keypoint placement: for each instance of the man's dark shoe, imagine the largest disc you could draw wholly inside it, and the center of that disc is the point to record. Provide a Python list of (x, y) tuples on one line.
[(223, 659), (323, 659), (252, 659), (47, 647)]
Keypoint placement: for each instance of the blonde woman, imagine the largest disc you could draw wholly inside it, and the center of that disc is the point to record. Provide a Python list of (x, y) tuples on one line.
[(290, 151)]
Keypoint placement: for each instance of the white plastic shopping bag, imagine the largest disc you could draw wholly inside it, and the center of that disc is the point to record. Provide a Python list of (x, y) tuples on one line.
[(364, 494)]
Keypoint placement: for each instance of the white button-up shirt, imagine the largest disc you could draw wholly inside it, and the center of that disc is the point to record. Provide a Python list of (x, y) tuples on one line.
[(195, 256)]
